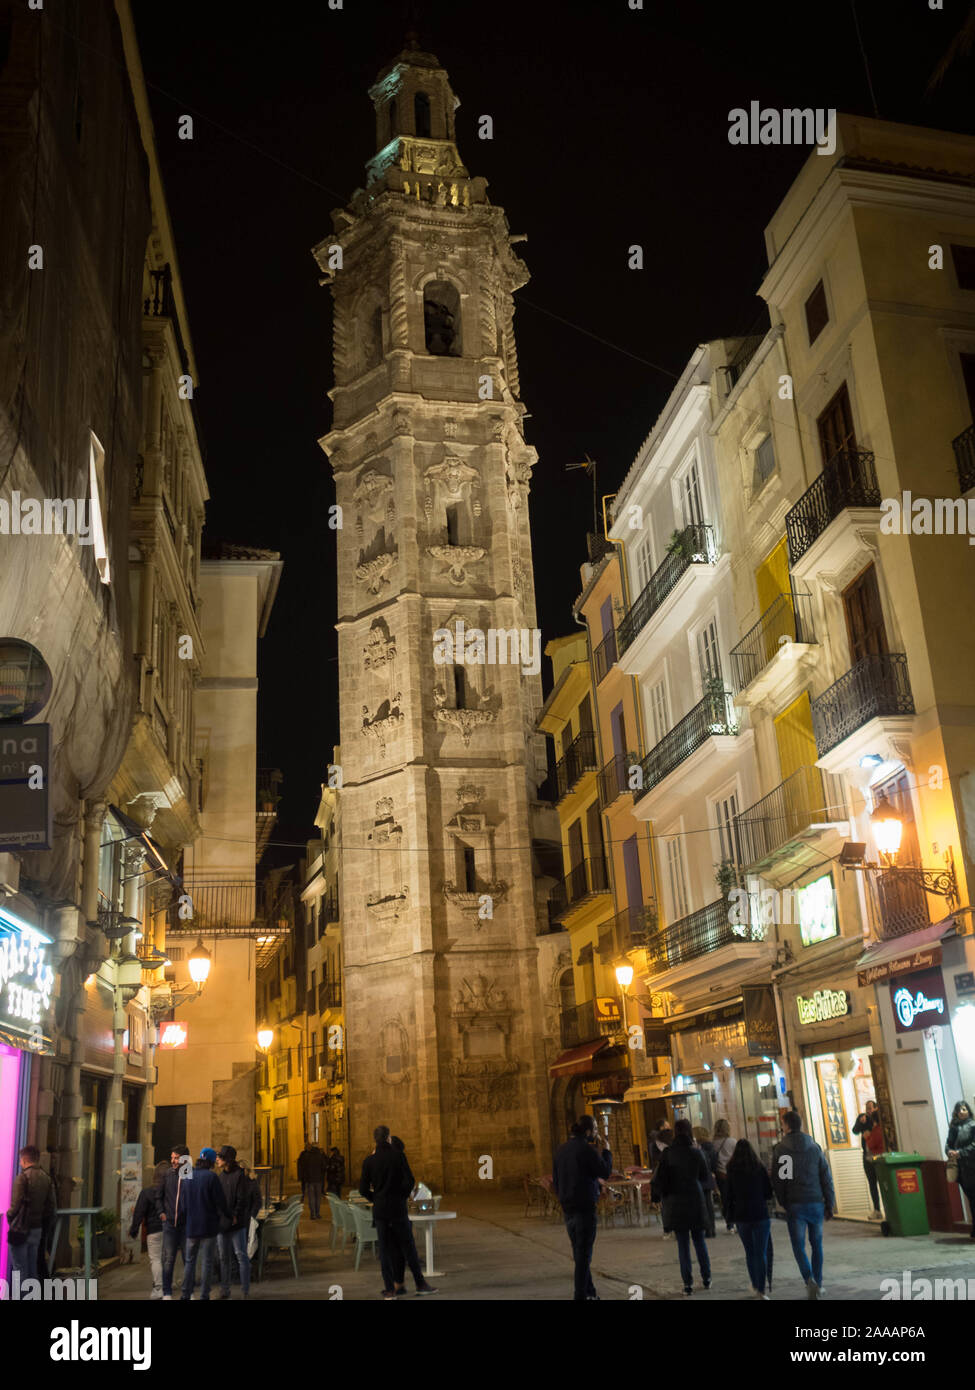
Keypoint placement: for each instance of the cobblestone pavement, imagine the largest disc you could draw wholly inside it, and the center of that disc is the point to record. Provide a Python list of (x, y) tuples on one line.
[(493, 1251)]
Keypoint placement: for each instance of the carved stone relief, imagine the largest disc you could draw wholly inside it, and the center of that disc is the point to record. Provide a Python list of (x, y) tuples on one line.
[(387, 901)]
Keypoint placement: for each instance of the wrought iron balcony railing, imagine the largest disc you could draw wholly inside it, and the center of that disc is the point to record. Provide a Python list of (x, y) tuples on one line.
[(874, 687), (715, 714), (692, 546), (597, 546), (964, 447), (329, 995), (604, 657), (697, 935), (614, 778), (848, 480), (629, 930), (578, 758), (583, 1023), (808, 797), (788, 619), (589, 877)]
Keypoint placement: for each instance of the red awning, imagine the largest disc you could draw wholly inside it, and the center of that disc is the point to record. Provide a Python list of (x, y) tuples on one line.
[(577, 1059)]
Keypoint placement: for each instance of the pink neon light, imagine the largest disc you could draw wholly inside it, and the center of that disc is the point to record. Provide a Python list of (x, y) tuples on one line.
[(10, 1060)]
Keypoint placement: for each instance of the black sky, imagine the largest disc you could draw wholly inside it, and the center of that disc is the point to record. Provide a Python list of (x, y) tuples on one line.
[(610, 128)]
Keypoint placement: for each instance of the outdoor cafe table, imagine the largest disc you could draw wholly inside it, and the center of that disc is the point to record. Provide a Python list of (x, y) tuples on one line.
[(635, 1185), (428, 1218)]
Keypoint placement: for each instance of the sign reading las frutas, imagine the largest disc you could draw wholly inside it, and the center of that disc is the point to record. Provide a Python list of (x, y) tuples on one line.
[(25, 803)]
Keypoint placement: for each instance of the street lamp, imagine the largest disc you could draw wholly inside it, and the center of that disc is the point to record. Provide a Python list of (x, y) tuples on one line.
[(624, 976), (199, 964), (888, 827), (265, 1037)]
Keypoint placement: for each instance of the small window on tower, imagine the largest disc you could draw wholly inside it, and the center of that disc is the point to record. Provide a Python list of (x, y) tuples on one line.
[(421, 115), (372, 338), (470, 871), (453, 526), (460, 687), (441, 319), (391, 109)]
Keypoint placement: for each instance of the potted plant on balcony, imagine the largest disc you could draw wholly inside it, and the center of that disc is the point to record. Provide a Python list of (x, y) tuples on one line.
[(677, 545)]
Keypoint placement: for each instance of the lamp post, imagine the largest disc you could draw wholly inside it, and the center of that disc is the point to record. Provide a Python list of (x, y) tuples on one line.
[(888, 829)]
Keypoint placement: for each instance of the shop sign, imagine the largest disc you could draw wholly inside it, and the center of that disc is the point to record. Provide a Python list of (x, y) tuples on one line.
[(921, 959), (823, 1005), (907, 1180), (918, 1000), (173, 1037), (607, 1010), (965, 983), (25, 801), (26, 981), (761, 1021)]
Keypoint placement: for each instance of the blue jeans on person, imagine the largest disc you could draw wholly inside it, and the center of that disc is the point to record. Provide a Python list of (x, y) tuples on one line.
[(754, 1236), (24, 1256), (204, 1248), (581, 1226), (173, 1242), (800, 1218), (232, 1243), (684, 1239)]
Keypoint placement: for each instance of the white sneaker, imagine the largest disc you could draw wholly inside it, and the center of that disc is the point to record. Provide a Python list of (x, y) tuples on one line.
[(167, 1298), (763, 1296)]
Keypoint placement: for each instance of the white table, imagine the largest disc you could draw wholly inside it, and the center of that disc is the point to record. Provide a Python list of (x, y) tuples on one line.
[(429, 1217)]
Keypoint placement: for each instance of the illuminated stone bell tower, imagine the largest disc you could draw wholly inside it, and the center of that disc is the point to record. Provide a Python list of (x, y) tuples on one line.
[(440, 762)]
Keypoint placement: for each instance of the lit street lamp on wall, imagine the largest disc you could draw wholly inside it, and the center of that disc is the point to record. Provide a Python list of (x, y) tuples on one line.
[(888, 829)]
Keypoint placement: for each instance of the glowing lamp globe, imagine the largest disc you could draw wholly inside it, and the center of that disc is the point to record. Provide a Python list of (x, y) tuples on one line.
[(624, 975), (887, 827), (199, 963), (265, 1037)]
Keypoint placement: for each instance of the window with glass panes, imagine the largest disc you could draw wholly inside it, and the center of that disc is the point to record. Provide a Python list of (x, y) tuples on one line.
[(725, 811), (677, 876), (659, 718), (689, 491), (708, 652), (644, 563)]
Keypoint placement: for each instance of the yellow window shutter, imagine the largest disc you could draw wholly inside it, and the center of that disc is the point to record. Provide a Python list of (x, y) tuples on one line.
[(794, 735)]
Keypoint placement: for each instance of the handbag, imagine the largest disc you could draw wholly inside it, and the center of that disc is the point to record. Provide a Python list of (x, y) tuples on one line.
[(951, 1170), (252, 1238)]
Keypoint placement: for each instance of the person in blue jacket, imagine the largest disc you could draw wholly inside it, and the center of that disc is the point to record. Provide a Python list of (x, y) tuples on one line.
[(204, 1204)]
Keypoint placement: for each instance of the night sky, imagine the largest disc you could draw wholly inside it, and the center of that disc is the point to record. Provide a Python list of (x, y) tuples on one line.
[(610, 128)]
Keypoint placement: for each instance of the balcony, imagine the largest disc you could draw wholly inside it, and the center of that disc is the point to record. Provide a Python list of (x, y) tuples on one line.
[(578, 759), (772, 653), (848, 480), (713, 717), (801, 823), (692, 546), (598, 547), (706, 943), (876, 688), (589, 878), (604, 657), (329, 995), (964, 447), (583, 1023), (629, 930), (614, 778)]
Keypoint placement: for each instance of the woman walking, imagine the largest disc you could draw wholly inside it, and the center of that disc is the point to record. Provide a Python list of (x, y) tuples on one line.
[(749, 1192), (960, 1149), (724, 1147), (702, 1142), (679, 1186)]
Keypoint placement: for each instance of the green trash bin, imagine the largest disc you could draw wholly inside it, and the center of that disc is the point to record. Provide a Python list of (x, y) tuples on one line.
[(902, 1190)]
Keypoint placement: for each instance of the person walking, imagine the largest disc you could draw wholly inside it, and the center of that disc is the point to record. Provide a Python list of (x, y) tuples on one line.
[(679, 1185), (202, 1195), (866, 1121), (387, 1182), (749, 1193), (32, 1204), (702, 1142), (582, 1162), (335, 1171), (173, 1218), (803, 1185), (149, 1209), (960, 1149), (235, 1226), (724, 1147), (312, 1164)]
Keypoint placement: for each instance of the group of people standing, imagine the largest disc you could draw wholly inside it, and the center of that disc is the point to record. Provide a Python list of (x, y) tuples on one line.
[(687, 1167), (203, 1213), (387, 1183)]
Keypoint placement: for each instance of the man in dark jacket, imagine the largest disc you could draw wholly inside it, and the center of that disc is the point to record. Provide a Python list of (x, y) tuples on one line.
[(311, 1174), (335, 1171), (803, 1185), (387, 1182), (235, 1226), (173, 1217), (865, 1122), (149, 1208), (579, 1165), (33, 1183), (202, 1196)]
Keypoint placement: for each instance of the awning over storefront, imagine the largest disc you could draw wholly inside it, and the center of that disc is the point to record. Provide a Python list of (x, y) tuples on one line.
[(577, 1059), (918, 950)]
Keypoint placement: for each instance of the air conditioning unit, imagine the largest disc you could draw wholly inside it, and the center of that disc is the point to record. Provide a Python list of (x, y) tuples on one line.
[(9, 875)]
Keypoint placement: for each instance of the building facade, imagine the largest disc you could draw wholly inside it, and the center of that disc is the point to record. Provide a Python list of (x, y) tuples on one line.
[(441, 761)]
